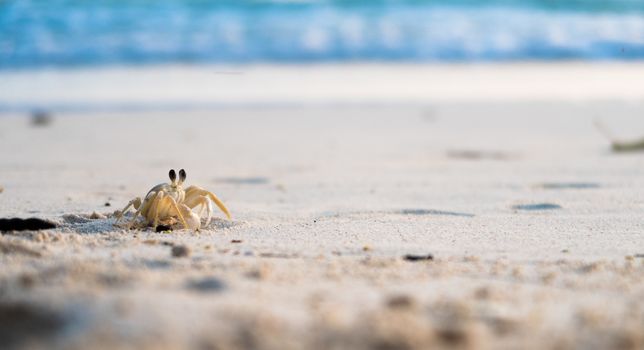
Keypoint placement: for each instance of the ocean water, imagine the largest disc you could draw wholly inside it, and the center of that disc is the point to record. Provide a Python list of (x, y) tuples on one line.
[(36, 33)]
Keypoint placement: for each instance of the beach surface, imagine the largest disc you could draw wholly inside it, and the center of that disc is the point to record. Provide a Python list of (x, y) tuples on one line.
[(498, 220)]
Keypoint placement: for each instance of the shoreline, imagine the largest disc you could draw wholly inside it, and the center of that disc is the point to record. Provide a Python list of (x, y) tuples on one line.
[(183, 87)]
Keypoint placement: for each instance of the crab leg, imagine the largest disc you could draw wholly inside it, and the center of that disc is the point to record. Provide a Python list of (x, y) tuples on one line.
[(192, 198), (136, 203), (144, 209), (205, 205), (168, 200), (154, 208)]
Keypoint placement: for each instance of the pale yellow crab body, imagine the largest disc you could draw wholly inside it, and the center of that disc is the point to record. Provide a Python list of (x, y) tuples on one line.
[(169, 204)]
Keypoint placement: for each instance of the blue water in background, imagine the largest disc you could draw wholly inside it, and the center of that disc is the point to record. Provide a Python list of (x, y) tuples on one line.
[(36, 33)]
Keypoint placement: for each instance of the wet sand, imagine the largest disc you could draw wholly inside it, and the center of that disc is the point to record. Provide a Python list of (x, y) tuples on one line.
[(466, 225)]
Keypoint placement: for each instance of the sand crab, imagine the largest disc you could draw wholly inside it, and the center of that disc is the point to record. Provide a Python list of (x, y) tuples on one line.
[(169, 204)]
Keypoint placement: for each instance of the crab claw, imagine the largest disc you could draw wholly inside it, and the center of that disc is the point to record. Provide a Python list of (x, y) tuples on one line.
[(193, 220)]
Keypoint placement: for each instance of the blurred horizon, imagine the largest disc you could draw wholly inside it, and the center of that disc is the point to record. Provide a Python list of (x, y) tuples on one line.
[(69, 33)]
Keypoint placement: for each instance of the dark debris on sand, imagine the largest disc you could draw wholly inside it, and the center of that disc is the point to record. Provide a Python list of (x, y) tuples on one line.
[(417, 257), (628, 146), (31, 224)]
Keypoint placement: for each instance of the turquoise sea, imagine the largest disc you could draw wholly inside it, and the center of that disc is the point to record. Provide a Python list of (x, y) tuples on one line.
[(61, 33)]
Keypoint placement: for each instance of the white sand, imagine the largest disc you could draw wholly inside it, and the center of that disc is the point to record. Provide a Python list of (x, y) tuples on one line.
[(326, 202), (206, 86)]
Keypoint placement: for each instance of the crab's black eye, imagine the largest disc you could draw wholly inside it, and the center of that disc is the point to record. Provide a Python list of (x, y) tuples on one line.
[(182, 175), (173, 175)]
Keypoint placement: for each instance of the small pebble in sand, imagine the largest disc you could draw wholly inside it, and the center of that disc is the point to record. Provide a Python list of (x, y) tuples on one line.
[(96, 215), (236, 241), (548, 277), (41, 118), (208, 284), (471, 259), (27, 280), (41, 237), (366, 248), (180, 251), (416, 257), (108, 204), (454, 337), (260, 273), (517, 272), (400, 302), (592, 267)]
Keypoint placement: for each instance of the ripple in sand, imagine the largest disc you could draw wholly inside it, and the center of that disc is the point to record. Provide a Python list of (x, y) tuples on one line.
[(257, 180), (415, 211), (407, 211), (569, 185), (537, 206), (479, 155)]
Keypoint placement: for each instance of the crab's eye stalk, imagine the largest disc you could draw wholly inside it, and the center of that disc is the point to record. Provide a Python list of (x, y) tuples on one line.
[(182, 175), (173, 175)]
